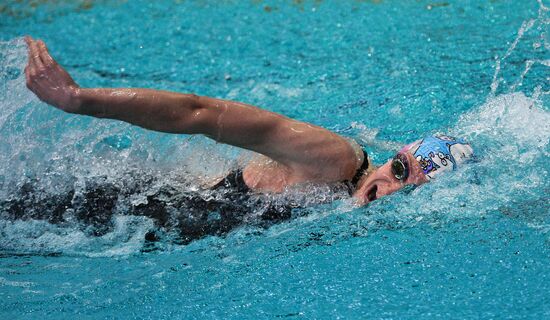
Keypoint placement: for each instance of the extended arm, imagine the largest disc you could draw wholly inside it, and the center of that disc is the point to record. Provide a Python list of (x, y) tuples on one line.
[(230, 122), (317, 152)]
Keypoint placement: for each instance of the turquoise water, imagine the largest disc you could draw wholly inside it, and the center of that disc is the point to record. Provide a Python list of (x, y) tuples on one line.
[(474, 244)]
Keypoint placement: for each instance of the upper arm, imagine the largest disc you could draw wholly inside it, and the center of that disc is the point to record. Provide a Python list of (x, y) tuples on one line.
[(309, 150)]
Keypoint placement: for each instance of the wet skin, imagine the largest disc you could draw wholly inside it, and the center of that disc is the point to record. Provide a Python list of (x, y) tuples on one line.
[(303, 152), (383, 182)]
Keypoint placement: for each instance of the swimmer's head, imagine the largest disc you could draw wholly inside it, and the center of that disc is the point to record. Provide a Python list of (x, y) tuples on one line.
[(415, 164)]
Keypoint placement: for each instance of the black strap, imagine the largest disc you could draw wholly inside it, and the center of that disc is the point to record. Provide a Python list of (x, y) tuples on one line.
[(235, 181), (361, 170)]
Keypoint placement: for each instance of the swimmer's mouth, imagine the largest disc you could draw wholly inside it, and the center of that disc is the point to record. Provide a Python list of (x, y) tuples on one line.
[(371, 193)]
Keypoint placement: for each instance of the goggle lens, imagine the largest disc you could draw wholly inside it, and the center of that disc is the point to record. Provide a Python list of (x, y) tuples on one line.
[(400, 167)]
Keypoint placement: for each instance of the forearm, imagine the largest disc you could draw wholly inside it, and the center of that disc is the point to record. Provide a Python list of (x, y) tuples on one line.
[(225, 121), (285, 140), (151, 109)]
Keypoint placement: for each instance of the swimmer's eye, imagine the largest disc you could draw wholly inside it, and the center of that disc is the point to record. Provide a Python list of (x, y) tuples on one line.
[(400, 167)]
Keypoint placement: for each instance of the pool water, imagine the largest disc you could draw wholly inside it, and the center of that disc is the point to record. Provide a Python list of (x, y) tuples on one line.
[(474, 244)]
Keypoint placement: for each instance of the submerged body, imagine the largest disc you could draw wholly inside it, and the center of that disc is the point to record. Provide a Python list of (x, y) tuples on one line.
[(291, 153), (185, 214)]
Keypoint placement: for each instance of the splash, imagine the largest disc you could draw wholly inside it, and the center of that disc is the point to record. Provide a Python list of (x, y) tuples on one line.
[(510, 134), (59, 156), (539, 44), (12, 79), (55, 164), (59, 153)]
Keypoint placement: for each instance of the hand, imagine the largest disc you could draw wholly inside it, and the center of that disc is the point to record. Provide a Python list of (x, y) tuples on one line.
[(48, 80)]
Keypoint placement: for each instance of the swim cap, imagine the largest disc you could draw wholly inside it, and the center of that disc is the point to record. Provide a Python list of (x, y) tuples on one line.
[(439, 153)]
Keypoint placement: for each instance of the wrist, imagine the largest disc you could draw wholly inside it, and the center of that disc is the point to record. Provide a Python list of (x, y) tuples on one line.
[(90, 101), (74, 103)]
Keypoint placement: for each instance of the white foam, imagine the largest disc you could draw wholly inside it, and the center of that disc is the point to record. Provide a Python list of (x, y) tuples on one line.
[(34, 236), (510, 134)]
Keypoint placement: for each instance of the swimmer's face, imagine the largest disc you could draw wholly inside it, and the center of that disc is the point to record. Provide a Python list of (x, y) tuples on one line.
[(383, 181)]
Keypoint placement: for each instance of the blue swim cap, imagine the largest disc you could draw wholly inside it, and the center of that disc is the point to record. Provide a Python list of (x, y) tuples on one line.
[(439, 153)]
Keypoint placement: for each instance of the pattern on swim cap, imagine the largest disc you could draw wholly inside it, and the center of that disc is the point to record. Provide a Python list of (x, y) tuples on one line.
[(437, 154)]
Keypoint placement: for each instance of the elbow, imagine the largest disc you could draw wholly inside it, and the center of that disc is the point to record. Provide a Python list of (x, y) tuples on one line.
[(193, 115)]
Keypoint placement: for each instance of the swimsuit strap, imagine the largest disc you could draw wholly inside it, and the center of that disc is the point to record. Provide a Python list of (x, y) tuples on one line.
[(364, 166), (235, 181)]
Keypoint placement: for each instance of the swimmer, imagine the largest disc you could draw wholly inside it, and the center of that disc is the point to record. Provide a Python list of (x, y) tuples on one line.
[(295, 152)]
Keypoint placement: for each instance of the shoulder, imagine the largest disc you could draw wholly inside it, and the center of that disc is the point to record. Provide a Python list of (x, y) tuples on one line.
[(309, 153), (336, 158)]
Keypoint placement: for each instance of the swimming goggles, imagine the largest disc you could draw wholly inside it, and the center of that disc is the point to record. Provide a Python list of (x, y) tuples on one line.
[(400, 167)]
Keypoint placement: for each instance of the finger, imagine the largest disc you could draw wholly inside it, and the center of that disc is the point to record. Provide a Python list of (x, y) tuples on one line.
[(30, 69), (45, 54), (35, 56), (28, 39)]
